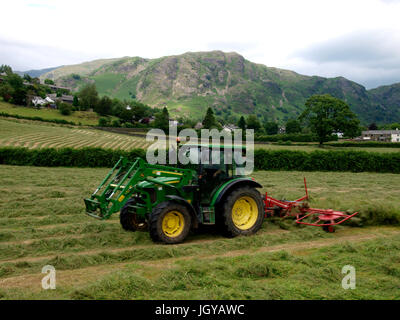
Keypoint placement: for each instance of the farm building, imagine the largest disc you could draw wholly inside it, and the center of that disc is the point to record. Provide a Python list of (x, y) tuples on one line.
[(63, 98), (381, 135)]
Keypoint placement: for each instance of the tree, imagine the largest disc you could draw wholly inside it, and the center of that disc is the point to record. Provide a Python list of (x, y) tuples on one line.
[(209, 121), (271, 127), (6, 91), (5, 69), (27, 78), (75, 102), (242, 123), (103, 107), (19, 91), (48, 81), (65, 108), (253, 123), (326, 114), (140, 110), (104, 122), (373, 126), (161, 120), (88, 97), (126, 115), (293, 126)]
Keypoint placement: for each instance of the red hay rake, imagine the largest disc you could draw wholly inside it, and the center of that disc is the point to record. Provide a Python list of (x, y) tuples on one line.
[(325, 218)]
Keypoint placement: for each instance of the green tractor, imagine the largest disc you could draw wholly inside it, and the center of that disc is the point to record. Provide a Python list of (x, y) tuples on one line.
[(169, 201)]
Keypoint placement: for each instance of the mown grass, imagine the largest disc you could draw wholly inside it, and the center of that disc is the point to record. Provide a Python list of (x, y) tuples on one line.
[(42, 221), (30, 134), (313, 274), (83, 117), (281, 275)]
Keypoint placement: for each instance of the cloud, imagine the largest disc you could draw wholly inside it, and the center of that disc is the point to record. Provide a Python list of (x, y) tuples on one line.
[(309, 37), (371, 57), (24, 55)]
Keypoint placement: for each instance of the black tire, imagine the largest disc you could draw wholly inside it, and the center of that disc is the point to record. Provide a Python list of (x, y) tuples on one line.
[(128, 218), (330, 229), (227, 224), (157, 216)]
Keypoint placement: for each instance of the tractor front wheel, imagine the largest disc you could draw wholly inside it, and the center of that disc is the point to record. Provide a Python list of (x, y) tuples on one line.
[(129, 220), (169, 222), (242, 212)]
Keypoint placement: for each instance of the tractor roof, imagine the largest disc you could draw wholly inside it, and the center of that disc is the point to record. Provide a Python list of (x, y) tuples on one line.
[(216, 146)]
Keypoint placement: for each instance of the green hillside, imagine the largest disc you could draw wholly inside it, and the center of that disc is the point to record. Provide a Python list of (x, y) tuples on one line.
[(82, 117), (191, 82)]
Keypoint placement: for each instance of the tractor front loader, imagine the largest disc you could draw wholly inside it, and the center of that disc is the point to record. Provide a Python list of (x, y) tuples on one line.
[(169, 201)]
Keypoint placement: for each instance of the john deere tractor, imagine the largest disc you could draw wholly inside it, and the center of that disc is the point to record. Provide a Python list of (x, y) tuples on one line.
[(169, 201)]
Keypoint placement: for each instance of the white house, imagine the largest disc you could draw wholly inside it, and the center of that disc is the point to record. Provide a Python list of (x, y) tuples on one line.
[(49, 100), (38, 101), (229, 127), (381, 135), (198, 125)]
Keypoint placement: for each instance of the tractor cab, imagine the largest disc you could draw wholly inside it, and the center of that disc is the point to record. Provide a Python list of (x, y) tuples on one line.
[(214, 166)]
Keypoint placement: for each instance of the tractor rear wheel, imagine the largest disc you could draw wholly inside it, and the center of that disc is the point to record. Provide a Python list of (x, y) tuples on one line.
[(242, 212), (129, 220), (169, 222)]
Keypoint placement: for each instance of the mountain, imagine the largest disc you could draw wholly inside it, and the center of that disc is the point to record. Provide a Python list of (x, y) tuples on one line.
[(232, 85), (36, 73), (389, 98)]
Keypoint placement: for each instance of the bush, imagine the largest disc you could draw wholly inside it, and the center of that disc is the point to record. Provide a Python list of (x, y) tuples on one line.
[(104, 122), (128, 125), (116, 123), (65, 109)]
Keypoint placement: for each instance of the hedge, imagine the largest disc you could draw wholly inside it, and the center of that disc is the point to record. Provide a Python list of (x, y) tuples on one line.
[(368, 144), (355, 161), (17, 116), (300, 137), (65, 157)]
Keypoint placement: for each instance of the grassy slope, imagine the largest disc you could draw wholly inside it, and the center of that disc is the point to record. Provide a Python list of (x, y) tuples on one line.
[(35, 134), (42, 222), (83, 117)]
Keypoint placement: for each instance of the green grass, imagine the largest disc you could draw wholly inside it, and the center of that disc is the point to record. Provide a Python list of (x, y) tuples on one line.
[(35, 134), (83, 117), (42, 221), (314, 146), (106, 82)]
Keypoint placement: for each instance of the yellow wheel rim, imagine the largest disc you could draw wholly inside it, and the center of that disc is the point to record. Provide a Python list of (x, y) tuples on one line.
[(173, 224), (244, 212)]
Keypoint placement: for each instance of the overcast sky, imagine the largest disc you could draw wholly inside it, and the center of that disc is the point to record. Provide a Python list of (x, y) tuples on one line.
[(359, 40)]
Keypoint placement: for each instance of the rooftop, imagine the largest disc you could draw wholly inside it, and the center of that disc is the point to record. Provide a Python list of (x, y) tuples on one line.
[(397, 131)]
